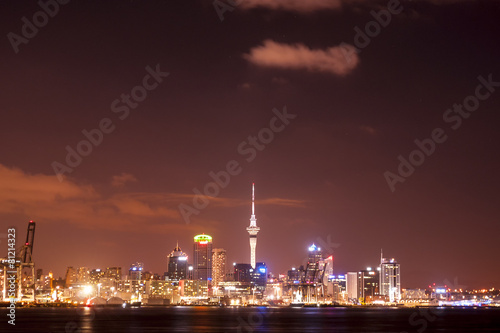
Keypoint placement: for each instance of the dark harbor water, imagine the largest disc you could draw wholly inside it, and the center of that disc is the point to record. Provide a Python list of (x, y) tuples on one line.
[(212, 319)]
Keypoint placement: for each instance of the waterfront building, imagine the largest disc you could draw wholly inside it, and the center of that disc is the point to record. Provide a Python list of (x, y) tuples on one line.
[(352, 286), (390, 279), (368, 285)]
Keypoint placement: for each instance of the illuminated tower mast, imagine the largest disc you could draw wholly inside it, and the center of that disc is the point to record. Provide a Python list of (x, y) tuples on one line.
[(253, 229)]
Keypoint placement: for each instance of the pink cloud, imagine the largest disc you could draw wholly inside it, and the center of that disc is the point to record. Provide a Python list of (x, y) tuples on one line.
[(123, 178), (294, 5), (339, 60), (308, 6), (46, 200)]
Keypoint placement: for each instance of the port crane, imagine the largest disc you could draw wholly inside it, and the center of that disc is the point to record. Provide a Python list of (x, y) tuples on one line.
[(23, 268)]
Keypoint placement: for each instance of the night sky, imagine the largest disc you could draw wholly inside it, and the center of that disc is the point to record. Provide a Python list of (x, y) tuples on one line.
[(320, 177)]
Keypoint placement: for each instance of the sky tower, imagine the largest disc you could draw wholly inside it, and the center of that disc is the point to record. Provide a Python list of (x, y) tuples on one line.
[(253, 229)]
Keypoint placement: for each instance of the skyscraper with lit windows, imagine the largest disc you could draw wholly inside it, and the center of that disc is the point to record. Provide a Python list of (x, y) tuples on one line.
[(202, 257), (218, 266), (390, 280), (368, 285), (259, 279), (177, 264), (315, 265)]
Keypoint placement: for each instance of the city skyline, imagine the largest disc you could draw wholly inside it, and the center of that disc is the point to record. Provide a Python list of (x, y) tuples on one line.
[(389, 266), (204, 238), (364, 125)]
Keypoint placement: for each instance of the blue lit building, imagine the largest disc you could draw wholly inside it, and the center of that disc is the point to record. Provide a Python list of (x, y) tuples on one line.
[(136, 271), (259, 279)]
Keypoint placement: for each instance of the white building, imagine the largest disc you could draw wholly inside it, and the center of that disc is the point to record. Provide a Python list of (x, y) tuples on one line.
[(390, 279), (352, 285)]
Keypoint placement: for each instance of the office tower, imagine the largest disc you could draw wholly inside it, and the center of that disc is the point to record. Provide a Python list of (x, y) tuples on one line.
[(177, 264), (390, 283), (243, 272), (315, 265), (95, 275), (259, 278), (202, 257), (218, 266), (253, 229), (113, 273), (340, 280), (136, 271), (368, 285), (337, 287), (293, 276), (190, 272), (352, 286), (83, 275), (71, 276), (326, 266)]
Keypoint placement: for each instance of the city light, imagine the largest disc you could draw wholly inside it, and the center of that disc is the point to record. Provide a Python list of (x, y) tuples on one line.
[(314, 248), (202, 239), (87, 290)]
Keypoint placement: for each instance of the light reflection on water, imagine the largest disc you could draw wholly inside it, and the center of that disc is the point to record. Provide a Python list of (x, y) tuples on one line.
[(214, 319)]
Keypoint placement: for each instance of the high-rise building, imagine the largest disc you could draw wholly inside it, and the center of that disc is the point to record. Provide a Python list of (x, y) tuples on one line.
[(83, 275), (390, 283), (218, 266), (340, 279), (368, 284), (177, 264), (95, 275), (243, 272), (71, 276), (293, 276), (352, 286), (318, 268), (337, 287), (253, 229), (327, 267), (259, 278), (113, 273), (202, 257), (136, 271)]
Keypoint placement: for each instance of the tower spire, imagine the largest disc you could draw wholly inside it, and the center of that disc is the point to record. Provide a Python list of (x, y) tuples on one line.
[(253, 198), (253, 229)]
